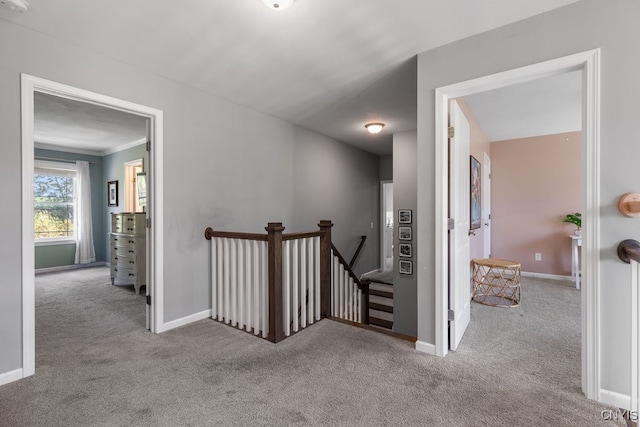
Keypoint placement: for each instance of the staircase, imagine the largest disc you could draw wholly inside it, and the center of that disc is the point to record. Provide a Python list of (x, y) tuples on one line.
[(381, 305)]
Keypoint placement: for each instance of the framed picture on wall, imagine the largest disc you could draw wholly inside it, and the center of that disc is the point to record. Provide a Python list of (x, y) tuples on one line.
[(405, 267), (405, 250), (404, 216), (112, 193), (404, 233), (475, 190)]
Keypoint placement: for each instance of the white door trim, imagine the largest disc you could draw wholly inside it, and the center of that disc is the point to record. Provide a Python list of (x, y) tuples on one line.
[(29, 85), (589, 63), (383, 227)]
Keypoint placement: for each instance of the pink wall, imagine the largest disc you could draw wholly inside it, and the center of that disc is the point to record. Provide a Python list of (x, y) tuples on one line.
[(479, 146), (535, 183)]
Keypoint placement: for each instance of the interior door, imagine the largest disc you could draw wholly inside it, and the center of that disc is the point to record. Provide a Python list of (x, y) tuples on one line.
[(459, 211), (486, 204), (149, 276)]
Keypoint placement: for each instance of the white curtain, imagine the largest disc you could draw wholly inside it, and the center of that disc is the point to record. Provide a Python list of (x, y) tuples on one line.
[(85, 251)]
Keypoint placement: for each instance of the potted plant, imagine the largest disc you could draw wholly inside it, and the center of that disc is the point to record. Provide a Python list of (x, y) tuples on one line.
[(575, 219)]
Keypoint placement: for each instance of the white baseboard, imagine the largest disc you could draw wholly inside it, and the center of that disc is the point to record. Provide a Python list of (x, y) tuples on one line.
[(546, 276), (612, 398), (425, 347), (185, 320), (11, 376), (69, 267)]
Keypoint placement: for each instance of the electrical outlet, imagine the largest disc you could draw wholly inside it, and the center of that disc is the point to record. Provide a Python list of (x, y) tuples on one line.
[(538, 256)]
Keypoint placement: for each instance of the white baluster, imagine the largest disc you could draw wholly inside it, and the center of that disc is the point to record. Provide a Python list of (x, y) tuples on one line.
[(343, 302), (214, 278), (303, 282), (286, 288), (311, 280), (240, 285), (234, 283), (295, 284), (265, 289), (227, 284), (316, 270), (255, 249), (248, 299)]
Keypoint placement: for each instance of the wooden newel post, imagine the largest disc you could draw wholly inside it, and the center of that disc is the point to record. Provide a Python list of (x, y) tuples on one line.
[(325, 268), (365, 300), (276, 329)]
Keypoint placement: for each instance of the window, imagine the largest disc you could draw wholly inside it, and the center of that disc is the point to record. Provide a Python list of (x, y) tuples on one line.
[(54, 191)]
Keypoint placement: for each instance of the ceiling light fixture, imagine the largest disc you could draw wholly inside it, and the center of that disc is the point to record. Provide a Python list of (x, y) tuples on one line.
[(16, 5), (374, 127), (277, 4)]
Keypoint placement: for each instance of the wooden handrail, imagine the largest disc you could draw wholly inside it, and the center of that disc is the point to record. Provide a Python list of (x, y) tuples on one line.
[(296, 236), (629, 250), (363, 285), (355, 255), (210, 232), (345, 264)]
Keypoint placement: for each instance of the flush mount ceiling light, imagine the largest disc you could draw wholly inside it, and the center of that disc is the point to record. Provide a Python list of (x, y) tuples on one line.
[(374, 127), (15, 5), (275, 4)]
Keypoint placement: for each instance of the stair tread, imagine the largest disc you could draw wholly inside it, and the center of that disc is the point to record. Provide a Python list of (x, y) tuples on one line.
[(380, 293), (381, 307), (380, 322)]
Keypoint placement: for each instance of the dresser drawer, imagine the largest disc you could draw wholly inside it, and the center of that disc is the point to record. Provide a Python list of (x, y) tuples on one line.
[(123, 261), (125, 274), (128, 223)]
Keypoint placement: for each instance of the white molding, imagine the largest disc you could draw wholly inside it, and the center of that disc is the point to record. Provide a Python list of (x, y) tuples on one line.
[(53, 147), (425, 347), (29, 85), (382, 223), (589, 62), (612, 398), (546, 276), (123, 147), (186, 320), (634, 338), (69, 267), (11, 376)]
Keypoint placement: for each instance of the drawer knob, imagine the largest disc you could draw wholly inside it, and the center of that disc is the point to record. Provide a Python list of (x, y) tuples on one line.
[(131, 252)]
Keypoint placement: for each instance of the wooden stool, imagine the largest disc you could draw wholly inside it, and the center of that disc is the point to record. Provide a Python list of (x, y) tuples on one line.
[(496, 282)]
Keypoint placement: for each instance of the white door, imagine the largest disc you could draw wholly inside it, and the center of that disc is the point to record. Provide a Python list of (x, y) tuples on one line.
[(486, 204), (459, 211), (386, 226), (149, 277)]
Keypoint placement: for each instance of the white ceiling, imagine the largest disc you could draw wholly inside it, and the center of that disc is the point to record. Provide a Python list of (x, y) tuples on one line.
[(81, 127), (542, 107), (327, 65)]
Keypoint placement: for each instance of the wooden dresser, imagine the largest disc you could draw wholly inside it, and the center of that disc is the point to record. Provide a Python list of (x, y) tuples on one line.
[(128, 249)]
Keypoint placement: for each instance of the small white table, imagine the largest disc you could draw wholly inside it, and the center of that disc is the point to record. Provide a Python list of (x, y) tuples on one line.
[(576, 242)]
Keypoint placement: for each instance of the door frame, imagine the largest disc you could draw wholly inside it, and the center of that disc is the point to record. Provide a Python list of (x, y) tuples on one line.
[(383, 213), (486, 197), (29, 85), (589, 63)]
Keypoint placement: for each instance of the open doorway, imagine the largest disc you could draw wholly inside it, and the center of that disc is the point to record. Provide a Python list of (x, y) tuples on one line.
[(387, 226), (588, 63), (33, 87)]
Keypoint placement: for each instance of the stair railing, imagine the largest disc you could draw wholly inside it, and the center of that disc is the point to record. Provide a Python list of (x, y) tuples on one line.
[(275, 284), (629, 252), (349, 295), (355, 255)]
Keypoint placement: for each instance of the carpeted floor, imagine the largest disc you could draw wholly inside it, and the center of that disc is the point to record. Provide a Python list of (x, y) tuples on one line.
[(97, 366)]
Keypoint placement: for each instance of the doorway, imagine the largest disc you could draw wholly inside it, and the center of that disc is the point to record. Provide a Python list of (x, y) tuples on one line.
[(29, 86), (387, 226), (589, 63)]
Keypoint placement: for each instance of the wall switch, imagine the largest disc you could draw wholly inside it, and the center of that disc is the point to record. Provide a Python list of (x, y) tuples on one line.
[(538, 256), (372, 225)]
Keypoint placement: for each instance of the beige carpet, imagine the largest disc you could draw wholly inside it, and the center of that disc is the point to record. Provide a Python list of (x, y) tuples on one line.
[(96, 366)]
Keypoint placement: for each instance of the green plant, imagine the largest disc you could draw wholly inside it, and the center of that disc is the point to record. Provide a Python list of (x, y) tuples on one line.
[(575, 219)]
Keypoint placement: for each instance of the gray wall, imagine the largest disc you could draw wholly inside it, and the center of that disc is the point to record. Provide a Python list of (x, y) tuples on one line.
[(588, 24), (225, 166), (386, 168), (114, 171), (59, 255), (405, 152)]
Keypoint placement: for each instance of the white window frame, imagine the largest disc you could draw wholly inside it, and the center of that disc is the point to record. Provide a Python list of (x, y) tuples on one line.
[(50, 241)]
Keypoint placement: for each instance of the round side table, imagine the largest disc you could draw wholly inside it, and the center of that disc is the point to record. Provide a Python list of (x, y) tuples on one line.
[(496, 282)]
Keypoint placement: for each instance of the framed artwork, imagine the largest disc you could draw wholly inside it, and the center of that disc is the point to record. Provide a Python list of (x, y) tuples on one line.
[(405, 267), (405, 250), (404, 216), (475, 199), (112, 193), (404, 233)]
